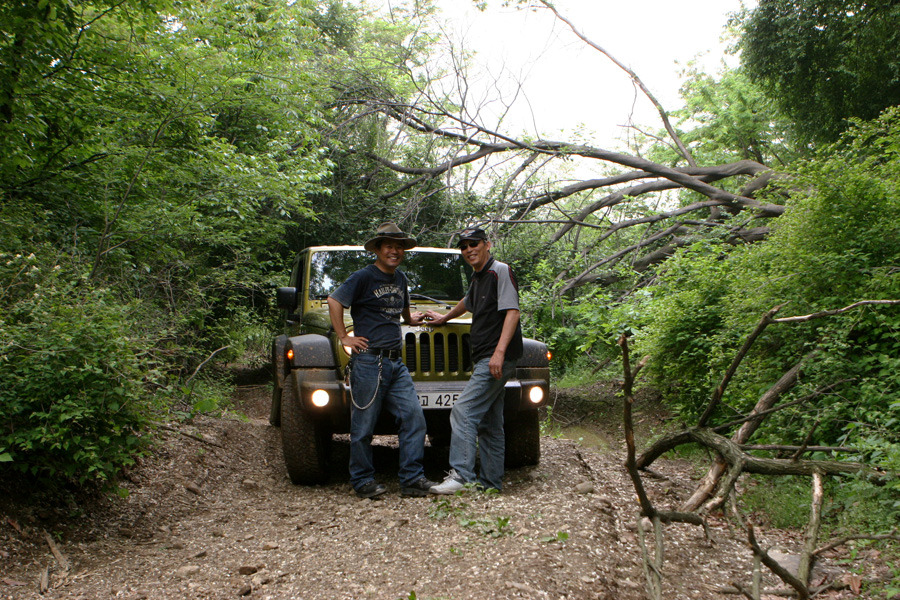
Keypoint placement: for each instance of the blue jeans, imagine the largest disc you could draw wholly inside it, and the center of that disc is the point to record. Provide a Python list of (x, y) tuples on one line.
[(477, 426), (378, 382)]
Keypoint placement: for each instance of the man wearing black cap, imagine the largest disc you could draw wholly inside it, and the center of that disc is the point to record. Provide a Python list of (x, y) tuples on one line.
[(378, 295), (496, 338)]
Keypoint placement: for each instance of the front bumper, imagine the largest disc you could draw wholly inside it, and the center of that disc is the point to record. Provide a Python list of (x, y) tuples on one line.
[(435, 396)]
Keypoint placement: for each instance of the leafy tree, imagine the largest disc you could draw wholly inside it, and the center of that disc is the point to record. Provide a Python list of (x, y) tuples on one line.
[(153, 157), (728, 118), (825, 61), (836, 244)]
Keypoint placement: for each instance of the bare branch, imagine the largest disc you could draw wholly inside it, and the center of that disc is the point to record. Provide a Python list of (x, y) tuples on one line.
[(841, 541), (812, 530), (785, 575), (831, 313), (634, 77), (732, 368)]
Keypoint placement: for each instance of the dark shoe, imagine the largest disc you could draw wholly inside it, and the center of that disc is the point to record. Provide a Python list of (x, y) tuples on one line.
[(417, 488), (370, 490)]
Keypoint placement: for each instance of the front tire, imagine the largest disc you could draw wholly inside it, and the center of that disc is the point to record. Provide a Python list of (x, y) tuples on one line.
[(523, 439), (305, 443)]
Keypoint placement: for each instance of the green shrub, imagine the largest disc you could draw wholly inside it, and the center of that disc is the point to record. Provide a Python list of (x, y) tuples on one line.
[(837, 243), (73, 368)]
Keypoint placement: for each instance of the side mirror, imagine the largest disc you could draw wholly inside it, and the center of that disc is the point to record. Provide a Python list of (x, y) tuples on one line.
[(286, 298)]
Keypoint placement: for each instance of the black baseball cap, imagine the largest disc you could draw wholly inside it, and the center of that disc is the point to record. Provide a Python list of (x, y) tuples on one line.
[(472, 233)]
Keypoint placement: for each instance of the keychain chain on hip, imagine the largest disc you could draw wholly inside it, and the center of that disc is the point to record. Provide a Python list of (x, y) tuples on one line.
[(377, 385)]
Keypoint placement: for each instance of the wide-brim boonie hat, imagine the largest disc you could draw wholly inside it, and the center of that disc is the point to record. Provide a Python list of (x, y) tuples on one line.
[(390, 231)]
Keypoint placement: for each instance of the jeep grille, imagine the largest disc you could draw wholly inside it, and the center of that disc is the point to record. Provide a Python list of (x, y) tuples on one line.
[(426, 353)]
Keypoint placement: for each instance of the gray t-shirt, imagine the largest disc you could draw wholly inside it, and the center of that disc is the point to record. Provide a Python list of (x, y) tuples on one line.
[(492, 292)]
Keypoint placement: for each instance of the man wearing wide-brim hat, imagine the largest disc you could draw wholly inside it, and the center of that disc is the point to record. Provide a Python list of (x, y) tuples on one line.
[(378, 296), (389, 231)]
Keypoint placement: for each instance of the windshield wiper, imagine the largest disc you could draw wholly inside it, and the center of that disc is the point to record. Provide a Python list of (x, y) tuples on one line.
[(429, 298)]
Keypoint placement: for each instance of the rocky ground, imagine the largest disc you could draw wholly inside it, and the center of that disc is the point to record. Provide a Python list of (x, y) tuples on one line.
[(211, 514)]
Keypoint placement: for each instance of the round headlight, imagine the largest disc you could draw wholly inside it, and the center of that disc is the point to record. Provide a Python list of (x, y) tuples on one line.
[(536, 394), (320, 398)]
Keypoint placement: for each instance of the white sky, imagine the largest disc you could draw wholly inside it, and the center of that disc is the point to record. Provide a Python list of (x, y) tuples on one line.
[(567, 84)]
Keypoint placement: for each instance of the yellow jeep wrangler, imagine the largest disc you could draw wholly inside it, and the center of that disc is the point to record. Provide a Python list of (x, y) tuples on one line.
[(311, 396)]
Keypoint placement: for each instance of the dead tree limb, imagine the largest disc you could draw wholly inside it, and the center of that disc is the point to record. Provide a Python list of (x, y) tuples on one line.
[(841, 541), (812, 530), (732, 453), (735, 363), (766, 401), (64, 563), (773, 565), (804, 449), (647, 508), (808, 397), (634, 77), (837, 311), (725, 487)]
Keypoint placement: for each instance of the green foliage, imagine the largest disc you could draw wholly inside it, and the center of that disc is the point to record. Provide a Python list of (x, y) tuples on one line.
[(825, 61), (561, 537), (75, 367), (782, 502), (731, 119), (455, 507), (572, 327), (839, 242)]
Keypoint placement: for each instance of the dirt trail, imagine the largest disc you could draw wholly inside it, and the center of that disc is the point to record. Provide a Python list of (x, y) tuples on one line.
[(211, 514)]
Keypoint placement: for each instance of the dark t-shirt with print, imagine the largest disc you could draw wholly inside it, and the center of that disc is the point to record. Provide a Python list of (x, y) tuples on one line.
[(376, 300)]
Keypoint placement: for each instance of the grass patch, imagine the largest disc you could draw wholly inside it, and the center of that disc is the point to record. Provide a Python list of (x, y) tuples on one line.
[(781, 502)]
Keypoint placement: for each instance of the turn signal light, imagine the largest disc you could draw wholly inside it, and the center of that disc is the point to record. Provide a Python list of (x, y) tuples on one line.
[(549, 355), (290, 354)]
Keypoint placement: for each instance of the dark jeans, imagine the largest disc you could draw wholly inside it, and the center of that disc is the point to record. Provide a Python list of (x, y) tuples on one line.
[(378, 382)]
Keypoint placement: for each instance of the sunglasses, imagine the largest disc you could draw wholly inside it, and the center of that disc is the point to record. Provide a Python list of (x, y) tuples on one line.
[(465, 245)]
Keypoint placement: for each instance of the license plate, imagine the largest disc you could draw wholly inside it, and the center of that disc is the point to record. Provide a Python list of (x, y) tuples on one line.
[(438, 400)]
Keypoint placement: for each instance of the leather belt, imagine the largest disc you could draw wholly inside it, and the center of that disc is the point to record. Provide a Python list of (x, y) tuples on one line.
[(391, 354)]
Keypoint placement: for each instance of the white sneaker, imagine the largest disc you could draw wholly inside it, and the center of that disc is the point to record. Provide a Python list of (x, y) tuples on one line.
[(451, 484)]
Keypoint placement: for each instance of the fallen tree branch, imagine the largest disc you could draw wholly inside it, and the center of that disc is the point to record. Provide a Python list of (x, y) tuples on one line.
[(189, 435), (775, 567), (766, 401), (682, 149), (837, 311), (756, 415), (841, 541), (57, 553), (782, 447), (735, 363), (812, 530), (208, 358)]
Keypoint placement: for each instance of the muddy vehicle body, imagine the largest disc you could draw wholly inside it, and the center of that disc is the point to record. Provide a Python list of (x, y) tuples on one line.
[(311, 396)]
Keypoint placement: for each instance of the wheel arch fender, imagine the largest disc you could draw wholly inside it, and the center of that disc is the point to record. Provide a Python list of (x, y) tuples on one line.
[(534, 354), (310, 351)]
